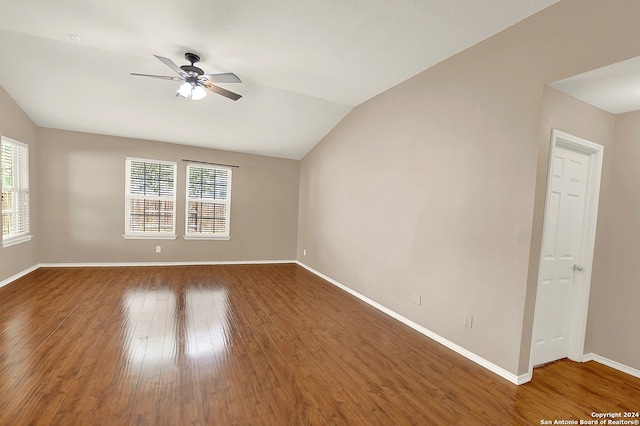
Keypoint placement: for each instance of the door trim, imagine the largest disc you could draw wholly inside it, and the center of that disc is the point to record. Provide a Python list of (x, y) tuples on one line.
[(580, 301)]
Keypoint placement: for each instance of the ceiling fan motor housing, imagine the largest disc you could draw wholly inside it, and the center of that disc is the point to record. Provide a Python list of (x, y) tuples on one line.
[(191, 69)]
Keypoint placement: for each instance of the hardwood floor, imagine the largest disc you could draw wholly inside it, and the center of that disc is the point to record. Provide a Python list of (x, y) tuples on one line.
[(252, 345)]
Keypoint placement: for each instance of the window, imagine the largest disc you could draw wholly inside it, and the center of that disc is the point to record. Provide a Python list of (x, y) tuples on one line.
[(14, 157), (208, 202), (150, 199)]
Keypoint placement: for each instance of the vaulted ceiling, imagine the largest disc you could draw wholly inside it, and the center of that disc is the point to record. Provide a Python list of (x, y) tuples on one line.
[(304, 63)]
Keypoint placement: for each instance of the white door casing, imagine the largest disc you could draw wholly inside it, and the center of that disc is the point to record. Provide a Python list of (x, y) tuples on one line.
[(567, 249)]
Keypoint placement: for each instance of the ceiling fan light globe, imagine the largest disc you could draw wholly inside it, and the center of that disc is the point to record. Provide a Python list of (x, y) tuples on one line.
[(198, 93), (184, 91)]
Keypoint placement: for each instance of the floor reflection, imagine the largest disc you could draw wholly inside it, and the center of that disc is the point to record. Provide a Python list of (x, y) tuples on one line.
[(164, 326), (16, 364)]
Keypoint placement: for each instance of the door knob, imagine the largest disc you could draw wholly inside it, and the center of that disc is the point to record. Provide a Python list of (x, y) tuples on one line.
[(577, 268)]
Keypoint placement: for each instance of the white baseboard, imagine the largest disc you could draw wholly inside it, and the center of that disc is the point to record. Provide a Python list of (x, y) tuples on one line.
[(18, 275), (518, 380), (524, 378), (194, 263), (611, 363)]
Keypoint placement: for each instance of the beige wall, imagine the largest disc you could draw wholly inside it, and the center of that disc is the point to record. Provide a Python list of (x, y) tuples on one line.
[(614, 323), (81, 177), (430, 187), (15, 124)]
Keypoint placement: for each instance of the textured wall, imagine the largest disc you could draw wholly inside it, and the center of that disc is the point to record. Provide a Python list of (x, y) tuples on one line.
[(82, 202), (430, 187), (613, 311)]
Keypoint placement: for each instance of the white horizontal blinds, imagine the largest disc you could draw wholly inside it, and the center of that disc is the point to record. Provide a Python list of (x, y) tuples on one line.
[(151, 197), (15, 189), (208, 201)]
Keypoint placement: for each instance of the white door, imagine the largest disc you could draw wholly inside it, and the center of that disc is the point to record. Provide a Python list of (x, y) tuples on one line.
[(562, 254)]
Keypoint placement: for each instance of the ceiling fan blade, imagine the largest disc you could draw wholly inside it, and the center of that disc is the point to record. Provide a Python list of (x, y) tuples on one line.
[(220, 91), (227, 77), (164, 77), (168, 62)]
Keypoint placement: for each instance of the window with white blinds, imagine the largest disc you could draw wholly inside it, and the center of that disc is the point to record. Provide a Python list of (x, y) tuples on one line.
[(150, 199), (208, 202), (14, 159)]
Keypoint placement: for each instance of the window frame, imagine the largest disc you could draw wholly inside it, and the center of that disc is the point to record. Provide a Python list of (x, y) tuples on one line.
[(188, 235), (22, 213), (142, 235)]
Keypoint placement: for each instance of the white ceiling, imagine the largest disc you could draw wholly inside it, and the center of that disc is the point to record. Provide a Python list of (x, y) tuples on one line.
[(304, 63), (614, 88)]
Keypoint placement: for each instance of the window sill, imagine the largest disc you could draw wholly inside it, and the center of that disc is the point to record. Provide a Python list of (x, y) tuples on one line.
[(149, 237), (16, 240), (206, 237)]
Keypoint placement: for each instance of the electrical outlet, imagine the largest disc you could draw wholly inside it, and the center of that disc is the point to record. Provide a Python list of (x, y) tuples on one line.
[(417, 299), (304, 252), (468, 321), (158, 249)]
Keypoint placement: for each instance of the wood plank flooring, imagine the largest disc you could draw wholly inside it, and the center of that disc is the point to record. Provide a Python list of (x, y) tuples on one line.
[(252, 345)]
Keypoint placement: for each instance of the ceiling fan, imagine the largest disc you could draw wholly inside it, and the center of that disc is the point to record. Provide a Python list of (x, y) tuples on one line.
[(195, 79)]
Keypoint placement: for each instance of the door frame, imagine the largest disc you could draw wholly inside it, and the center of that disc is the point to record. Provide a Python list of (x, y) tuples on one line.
[(582, 282)]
